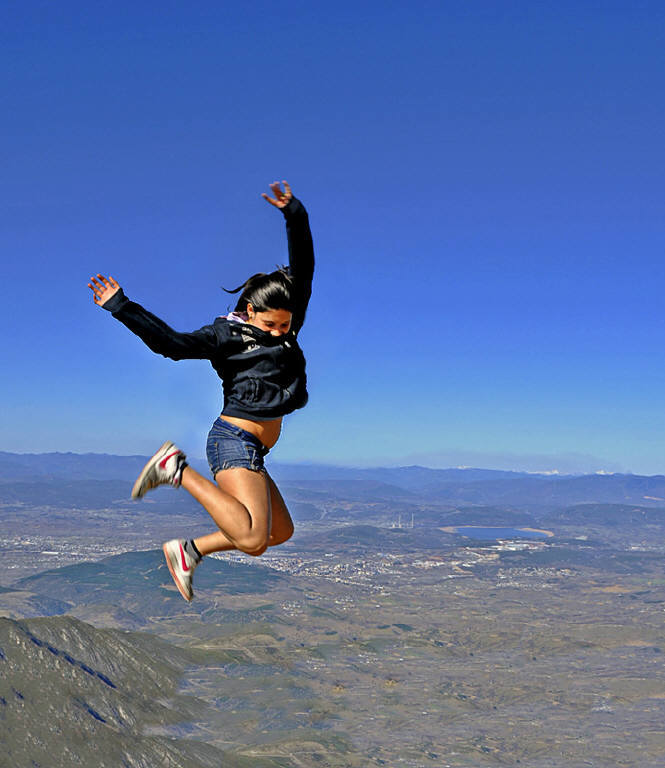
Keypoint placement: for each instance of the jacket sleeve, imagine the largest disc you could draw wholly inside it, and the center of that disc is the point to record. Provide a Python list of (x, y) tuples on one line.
[(301, 258), (160, 337)]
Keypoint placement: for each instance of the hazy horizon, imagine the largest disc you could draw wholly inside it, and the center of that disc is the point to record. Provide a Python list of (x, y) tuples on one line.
[(569, 464)]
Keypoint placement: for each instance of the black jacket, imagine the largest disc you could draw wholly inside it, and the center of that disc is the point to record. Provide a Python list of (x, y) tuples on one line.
[(263, 376)]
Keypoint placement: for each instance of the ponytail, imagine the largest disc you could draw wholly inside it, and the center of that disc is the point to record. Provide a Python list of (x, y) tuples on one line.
[(266, 291)]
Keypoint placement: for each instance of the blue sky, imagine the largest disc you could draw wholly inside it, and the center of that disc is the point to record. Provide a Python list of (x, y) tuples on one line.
[(485, 187)]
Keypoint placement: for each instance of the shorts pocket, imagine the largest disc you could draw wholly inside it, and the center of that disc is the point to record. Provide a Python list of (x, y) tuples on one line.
[(229, 451)]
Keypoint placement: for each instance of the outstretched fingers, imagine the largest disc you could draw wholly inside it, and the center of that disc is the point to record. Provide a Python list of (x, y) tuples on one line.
[(271, 200), (281, 196), (102, 288)]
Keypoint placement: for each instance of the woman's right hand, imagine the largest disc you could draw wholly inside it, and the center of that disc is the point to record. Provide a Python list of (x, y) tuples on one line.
[(282, 198), (103, 288)]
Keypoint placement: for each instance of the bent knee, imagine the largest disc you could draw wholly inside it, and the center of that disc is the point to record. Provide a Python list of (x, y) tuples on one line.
[(256, 552), (253, 546)]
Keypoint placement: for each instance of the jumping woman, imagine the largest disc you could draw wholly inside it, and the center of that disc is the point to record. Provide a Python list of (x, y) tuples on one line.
[(254, 351)]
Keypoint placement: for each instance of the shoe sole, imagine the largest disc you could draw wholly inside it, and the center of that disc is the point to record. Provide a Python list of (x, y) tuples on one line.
[(173, 575), (137, 492)]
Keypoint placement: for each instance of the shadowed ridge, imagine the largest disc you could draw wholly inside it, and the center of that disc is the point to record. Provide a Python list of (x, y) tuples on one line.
[(88, 696), (139, 584)]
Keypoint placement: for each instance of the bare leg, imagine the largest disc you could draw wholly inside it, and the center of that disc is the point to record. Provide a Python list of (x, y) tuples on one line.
[(281, 527), (213, 542), (239, 504)]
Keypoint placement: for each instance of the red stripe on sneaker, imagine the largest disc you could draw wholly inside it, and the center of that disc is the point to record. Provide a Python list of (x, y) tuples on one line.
[(182, 558), (162, 463)]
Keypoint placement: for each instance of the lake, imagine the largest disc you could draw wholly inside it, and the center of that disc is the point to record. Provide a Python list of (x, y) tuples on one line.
[(492, 534)]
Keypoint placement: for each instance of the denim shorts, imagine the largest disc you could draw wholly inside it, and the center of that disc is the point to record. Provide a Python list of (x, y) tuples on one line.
[(229, 446)]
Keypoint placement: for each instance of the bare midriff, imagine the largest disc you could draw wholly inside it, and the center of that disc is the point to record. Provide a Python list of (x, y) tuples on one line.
[(266, 431)]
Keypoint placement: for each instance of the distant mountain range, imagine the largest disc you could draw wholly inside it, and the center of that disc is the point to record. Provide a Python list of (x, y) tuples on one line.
[(79, 466), (84, 479)]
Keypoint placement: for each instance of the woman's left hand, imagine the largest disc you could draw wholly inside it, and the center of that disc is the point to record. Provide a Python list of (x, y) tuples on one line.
[(282, 197), (103, 289)]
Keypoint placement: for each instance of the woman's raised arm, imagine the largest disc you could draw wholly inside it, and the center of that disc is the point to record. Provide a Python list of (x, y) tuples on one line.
[(301, 248)]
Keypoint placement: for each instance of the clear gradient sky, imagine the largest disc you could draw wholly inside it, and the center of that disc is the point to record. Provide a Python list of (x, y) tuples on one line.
[(485, 187)]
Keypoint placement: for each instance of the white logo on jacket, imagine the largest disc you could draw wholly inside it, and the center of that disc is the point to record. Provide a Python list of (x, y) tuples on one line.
[(250, 343)]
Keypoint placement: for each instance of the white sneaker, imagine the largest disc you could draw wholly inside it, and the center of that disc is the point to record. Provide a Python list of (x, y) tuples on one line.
[(165, 467), (181, 565)]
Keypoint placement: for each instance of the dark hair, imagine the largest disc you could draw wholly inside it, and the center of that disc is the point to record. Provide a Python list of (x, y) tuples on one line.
[(266, 291)]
